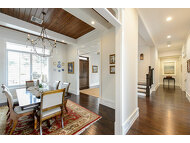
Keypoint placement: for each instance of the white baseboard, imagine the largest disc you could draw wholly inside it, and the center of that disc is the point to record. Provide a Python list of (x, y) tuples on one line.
[(73, 91), (154, 88), (188, 96), (108, 103), (129, 122)]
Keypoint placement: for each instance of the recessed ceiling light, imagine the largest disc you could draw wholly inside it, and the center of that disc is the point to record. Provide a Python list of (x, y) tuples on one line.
[(169, 45), (93, 22), (169, 36), (168, 19)]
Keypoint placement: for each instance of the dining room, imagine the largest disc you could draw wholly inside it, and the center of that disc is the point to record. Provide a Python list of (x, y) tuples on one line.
[(39, 94)]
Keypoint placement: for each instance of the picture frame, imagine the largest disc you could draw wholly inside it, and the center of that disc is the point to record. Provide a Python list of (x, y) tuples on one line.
[(169, 68), (188, 66), (112, 69), (94, 69), (112, 59), (70, 67)]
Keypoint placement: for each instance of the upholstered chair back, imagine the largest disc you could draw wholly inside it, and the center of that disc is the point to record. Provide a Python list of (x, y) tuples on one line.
[(65, 85), (8, 95), (56, 84), (52, 98)]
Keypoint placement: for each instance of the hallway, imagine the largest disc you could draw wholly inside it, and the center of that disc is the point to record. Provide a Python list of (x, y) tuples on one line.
[(165, 112)]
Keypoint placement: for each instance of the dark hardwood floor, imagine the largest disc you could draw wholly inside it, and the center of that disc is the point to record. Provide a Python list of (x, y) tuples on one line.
[(166, 112), (105, 126)]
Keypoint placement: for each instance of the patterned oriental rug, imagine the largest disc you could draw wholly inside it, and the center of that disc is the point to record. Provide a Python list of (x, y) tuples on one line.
[(75, 122)]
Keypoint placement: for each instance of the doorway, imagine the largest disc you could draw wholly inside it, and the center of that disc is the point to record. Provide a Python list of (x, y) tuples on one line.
[(84, 72)]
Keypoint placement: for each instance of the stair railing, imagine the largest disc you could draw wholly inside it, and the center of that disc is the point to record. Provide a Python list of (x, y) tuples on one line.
[(149, 80)]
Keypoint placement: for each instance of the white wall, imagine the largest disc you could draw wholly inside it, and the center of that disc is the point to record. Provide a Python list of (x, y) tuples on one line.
[(150, 59), (126, 71), (94, 59), (72, 56), (107, 80), (184, 69), (143, 64), (187, 45), (7, 35), (178, 70)]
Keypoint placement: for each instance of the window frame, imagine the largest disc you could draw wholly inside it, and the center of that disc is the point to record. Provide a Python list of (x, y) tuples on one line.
[(31, 54)]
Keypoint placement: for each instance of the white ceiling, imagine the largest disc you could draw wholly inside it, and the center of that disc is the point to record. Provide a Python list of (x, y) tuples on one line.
[(158, 28)]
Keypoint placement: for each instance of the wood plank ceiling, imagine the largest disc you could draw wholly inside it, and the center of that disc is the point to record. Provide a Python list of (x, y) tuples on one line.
[(56, 19)]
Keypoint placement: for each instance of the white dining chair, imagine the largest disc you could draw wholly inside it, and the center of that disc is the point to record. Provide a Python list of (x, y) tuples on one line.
[(15, 112), (65, 85), (51, 106)]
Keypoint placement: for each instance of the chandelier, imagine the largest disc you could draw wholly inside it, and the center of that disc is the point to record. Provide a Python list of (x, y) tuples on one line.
[(42, 45)]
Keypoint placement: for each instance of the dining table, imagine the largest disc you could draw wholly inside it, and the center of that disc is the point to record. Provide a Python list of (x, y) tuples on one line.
[(28, 98)]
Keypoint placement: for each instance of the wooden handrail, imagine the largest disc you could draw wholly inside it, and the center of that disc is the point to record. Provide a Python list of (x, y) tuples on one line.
[(149, 80)]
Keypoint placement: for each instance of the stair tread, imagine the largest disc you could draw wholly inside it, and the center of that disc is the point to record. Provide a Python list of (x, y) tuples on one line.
[(141, 83), (142, 91), (142, 88)]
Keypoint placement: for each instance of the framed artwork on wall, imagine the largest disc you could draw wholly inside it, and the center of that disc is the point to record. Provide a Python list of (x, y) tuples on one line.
[(71, 67), (94, 69), (112, 59), (188, 66), (112, 69), (169, 68)]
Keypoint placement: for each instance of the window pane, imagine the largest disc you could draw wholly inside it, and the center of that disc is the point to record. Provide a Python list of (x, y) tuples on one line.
[(39, 67), (24, 68), (18, 68), (13, 68)]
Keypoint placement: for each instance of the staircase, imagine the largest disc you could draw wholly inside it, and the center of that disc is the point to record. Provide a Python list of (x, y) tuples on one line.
[(144, 87)]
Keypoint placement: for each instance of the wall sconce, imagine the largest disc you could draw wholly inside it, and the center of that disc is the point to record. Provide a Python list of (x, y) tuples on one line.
[(141, 56)]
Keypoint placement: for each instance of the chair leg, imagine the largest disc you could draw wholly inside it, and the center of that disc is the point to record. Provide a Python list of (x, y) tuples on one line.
[(14, 126), (8, 112), (8, 116), (35, 122), (40, 127), (65, 103), (48, 123), (62, 122), (11, 121)]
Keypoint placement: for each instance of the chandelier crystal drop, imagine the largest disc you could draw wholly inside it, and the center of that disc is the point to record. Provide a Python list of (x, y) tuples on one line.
[(42, 45)]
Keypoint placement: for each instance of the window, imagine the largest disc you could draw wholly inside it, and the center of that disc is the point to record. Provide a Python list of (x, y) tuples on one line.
[(23, 65)]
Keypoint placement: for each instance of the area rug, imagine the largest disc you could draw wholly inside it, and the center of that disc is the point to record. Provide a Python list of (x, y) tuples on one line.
[(91, 91), (76, 121)]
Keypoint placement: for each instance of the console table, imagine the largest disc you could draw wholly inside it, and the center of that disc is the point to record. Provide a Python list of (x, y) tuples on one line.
[(168, 79)]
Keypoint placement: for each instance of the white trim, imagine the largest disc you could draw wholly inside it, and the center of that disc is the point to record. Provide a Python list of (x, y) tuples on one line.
[(108, 16), (188, 96), (129, 122), (107, 103), (156, 87)]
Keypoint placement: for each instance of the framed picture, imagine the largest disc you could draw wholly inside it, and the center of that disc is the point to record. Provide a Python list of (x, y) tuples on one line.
[(94, 69), (169, 68), (71, 67), (112, 69), (112, 59), (188, 66)]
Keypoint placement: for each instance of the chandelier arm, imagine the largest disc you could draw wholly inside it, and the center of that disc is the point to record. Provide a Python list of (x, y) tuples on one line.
[(41, 41)]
